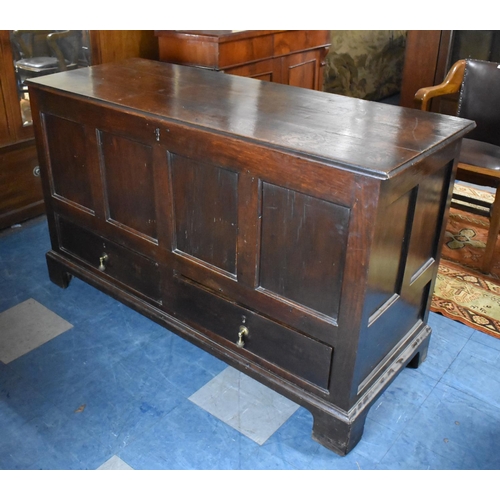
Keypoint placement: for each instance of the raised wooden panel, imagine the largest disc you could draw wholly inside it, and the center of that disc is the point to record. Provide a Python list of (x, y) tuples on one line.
[(424, 245), (263, 70), (70, 177), (387, 264), (245, 51), (265, 77), (205, 201), (128, 181), (403, 312), (302, 75), (428, 217), (303, 248), (302, 70)]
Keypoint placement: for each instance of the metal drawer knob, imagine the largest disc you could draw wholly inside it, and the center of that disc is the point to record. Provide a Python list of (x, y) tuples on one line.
[(242, 332), (102, 260)]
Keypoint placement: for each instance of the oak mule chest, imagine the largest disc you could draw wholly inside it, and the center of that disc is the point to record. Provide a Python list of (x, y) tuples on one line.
[(295, 234)]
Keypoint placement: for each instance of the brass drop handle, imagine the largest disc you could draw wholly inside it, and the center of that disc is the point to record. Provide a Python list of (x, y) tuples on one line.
[(242, 332), (102, 260)]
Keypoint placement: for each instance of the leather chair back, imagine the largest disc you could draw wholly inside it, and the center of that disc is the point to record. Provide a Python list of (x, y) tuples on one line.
[(479, 100)]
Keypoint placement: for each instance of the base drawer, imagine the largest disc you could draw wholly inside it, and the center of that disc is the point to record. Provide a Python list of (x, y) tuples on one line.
[(288, 349), (21, 194), (137, 272)]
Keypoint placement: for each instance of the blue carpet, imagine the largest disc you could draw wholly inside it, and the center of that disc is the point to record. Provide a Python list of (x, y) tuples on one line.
[(113, 391)]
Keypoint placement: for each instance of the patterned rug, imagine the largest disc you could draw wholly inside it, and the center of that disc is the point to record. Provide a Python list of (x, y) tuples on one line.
[(462, 292)]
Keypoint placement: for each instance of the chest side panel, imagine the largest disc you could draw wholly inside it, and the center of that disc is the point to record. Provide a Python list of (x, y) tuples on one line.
[(408, 232)]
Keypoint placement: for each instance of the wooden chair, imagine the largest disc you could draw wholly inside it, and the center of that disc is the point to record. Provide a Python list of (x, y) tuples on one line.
[(478, 84)]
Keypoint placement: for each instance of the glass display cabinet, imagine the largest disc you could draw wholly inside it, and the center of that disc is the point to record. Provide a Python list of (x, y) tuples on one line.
[(42, 52), (26, 54)]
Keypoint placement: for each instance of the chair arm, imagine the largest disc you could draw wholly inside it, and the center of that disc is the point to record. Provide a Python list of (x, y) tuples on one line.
[(450, 85), (52, 42), (26, 50)]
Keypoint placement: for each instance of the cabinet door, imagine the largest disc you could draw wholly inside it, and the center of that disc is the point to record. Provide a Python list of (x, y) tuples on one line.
[(263, 70), (303, 69), (20, 186)]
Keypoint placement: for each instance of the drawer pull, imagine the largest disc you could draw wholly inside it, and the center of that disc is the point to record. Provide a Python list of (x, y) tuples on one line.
[(102, 260), (243, 331)]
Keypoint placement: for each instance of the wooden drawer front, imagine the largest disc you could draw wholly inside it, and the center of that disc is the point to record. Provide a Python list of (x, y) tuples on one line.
[(290, 41), (21, 194), (262, 70), (137, 272), (245, 51), (285, 348)]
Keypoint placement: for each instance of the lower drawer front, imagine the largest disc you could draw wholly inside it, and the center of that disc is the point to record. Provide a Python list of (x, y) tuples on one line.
[(288, 349), (21, 194), (130, 268)]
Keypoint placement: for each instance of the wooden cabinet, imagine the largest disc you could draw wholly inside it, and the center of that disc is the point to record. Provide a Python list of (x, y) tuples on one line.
[(20, 187), (293, 57), (294, 234)]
